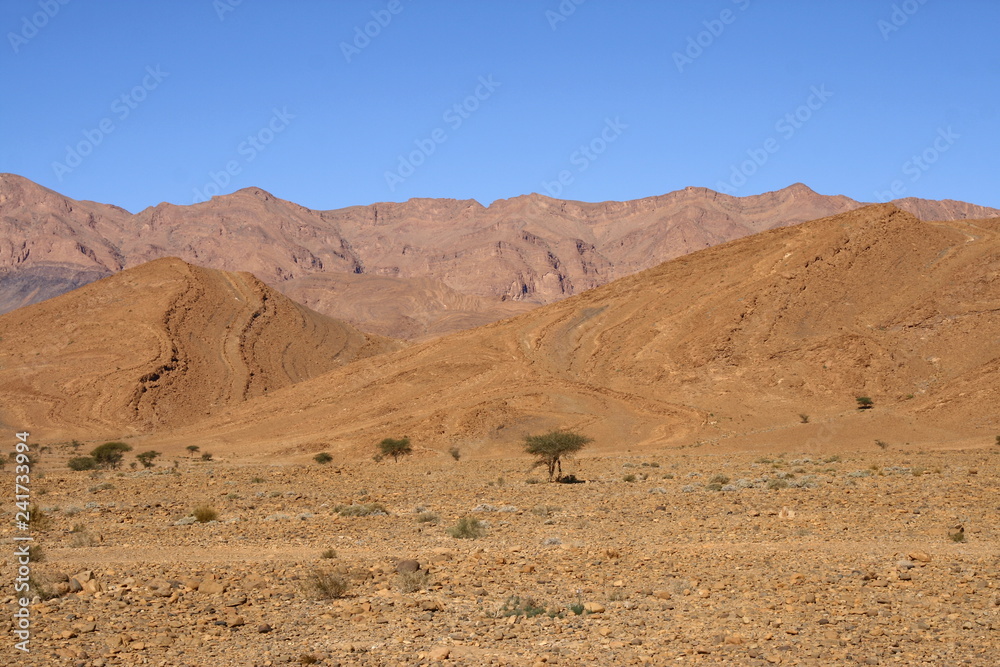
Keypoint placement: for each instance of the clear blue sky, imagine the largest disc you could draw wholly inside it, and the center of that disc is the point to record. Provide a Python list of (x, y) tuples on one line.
[(135, 103)]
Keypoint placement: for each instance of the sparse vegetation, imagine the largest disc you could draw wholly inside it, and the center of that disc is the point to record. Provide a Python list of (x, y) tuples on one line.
[(206, 456), (192, 449), (323, 458), (776, 484), (455, 453), (467, 528), (550, 448), (411, 582), (882, 444), (629, 478), (110, 454), (146, 458), (81, 537), (864, 402), (204, 513), (363, 509), (39, 519), (327, 585), (528, 607), (395, 448), (329, 553), (80, 463), (428, 517), (804, 418)]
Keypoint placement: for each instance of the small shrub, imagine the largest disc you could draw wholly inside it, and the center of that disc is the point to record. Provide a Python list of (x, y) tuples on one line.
[(864, 402), (882, 444), (323, 458), (192, 449), (629, 478), (515, 606), (997, 443), (804, 418), (327, 585), (776, 484), (38, 519), (363, 509), (79, 463), (308, 659), (532, 480), (957, 536), (329, 553), (36, 554), (256, 480), (411, 582), (455, 453), (204, 514), (719, 479), (467, 528), (81, 538), (545, 510), (40, 588), (577, 608), (206, 456), (428, 517)]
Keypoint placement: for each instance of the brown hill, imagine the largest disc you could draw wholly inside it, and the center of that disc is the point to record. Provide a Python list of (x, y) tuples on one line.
[(530, 249), (727, 346), (158, 346)]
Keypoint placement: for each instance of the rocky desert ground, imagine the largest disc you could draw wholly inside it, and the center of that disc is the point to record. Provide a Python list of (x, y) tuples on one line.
[(665, 556)]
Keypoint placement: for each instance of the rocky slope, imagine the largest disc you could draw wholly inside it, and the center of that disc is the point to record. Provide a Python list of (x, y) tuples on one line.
[(160, 345), (730, 346)]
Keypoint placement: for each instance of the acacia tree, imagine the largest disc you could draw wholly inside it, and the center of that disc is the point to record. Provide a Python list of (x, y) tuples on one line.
[(146, 458), (109, 455), (395, 448), (551, 447)]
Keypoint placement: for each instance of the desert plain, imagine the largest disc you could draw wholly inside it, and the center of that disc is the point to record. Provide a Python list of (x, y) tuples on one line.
[(791, 403)]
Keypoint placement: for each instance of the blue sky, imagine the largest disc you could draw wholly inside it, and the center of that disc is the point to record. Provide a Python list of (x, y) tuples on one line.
[(135, 103)]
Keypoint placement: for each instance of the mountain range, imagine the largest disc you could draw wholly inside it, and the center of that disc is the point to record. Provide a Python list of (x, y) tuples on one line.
[(412, 270), (763, 341)]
